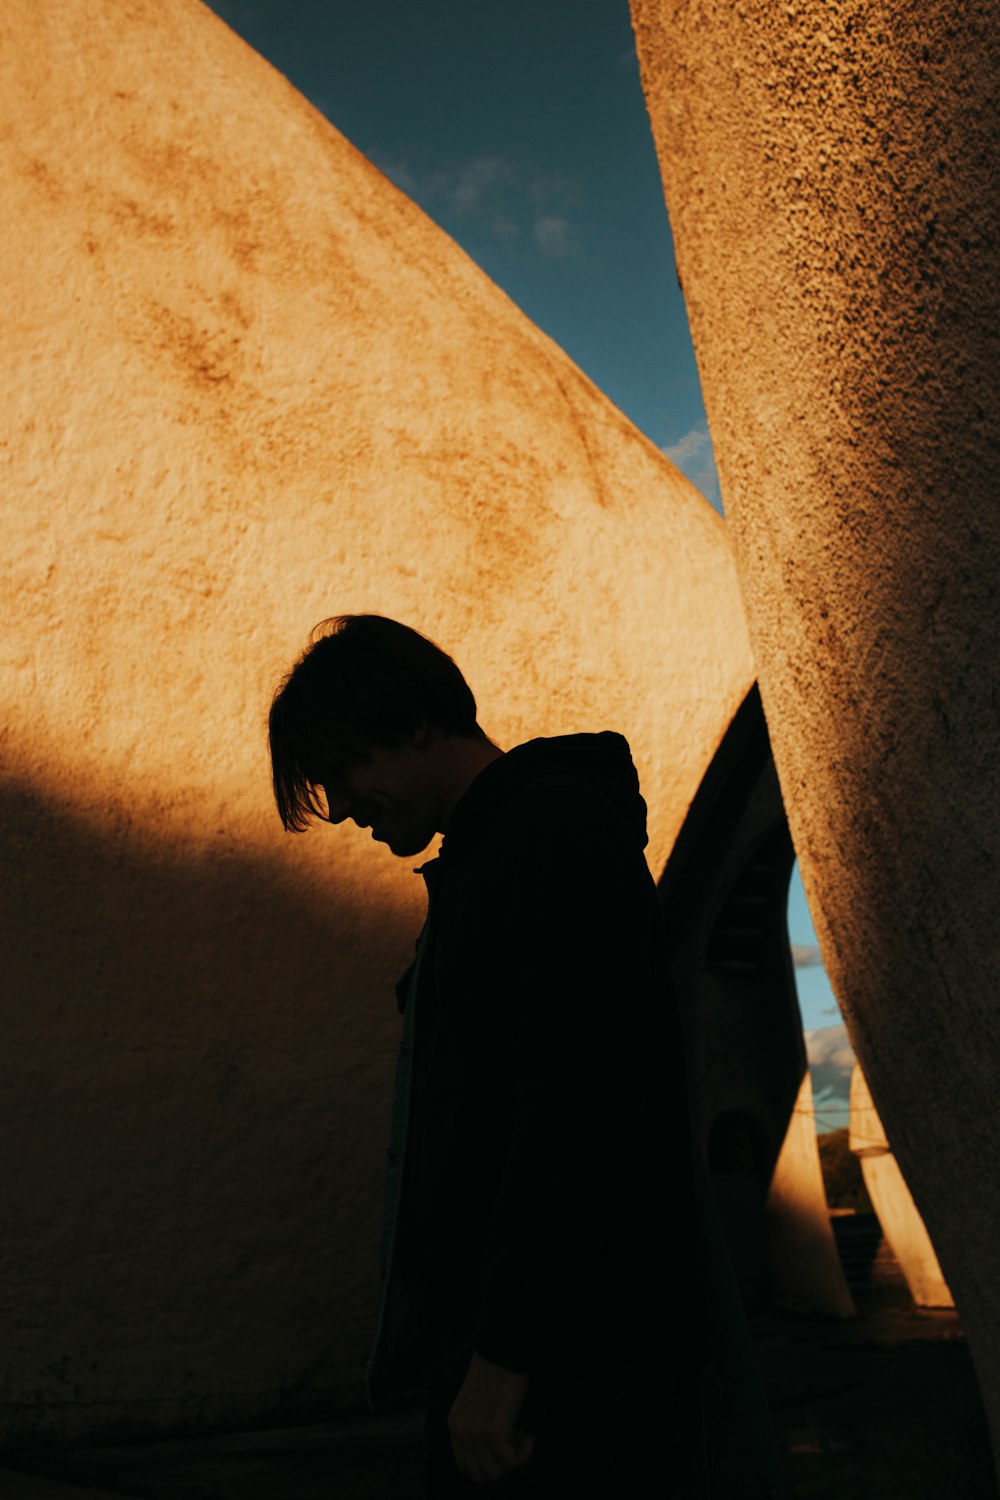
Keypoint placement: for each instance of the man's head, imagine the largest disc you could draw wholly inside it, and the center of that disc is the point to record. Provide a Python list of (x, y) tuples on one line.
[(374, 723)]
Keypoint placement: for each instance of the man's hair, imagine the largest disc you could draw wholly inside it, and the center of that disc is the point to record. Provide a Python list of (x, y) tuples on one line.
[(363, 680)]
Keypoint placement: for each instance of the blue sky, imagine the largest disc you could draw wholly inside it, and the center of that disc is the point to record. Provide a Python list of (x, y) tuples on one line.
[(830, 1056), (520, 127)]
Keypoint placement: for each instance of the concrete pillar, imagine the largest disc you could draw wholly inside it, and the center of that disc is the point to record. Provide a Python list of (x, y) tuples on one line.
[(904, 1229), (805, 1266), (830, 175)]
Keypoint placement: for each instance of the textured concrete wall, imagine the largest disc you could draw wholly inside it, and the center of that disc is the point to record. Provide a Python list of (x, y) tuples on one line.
[(805, 1265), (830, 177), (247, 384), (904, 1230)]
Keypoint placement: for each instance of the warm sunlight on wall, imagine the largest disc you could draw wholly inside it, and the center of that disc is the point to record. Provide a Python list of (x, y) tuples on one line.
[(249, 385), (804, 1260)]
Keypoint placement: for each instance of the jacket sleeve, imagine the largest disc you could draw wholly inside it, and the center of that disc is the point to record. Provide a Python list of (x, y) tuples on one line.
[(576, 977)]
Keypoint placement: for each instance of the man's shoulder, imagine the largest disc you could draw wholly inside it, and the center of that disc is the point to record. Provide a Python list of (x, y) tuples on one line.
[(562, 795), (578, 794), (558, 815)]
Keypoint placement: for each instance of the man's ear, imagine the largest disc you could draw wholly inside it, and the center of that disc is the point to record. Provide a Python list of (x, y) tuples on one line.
[(420, 736)]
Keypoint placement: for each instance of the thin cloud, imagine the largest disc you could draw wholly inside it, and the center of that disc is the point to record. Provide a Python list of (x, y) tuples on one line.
[(806, 956), (693, 455), (831, 1062), (493, 195), (828, 1046), (689, 445), (475, 186), (553, 234)]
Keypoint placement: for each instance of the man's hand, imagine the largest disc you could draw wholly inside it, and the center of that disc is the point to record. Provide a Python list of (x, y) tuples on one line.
[(486, 1443)]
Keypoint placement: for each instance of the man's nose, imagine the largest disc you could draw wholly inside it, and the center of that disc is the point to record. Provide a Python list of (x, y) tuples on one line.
[(337, 808)]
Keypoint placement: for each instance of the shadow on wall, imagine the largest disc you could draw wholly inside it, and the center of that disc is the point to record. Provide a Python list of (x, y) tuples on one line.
[(724, 894), (193, 1136)]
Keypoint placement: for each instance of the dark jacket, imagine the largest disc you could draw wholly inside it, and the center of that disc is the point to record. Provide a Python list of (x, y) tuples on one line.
[(547, 1199)]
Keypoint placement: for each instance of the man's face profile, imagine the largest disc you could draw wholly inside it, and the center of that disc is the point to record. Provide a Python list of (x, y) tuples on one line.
[(384, 788)]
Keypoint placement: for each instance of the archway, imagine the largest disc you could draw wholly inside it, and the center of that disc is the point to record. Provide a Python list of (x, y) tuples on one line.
[(724, 894)]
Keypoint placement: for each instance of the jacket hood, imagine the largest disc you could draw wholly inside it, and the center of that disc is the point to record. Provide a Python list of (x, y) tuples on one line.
[(603, 760)]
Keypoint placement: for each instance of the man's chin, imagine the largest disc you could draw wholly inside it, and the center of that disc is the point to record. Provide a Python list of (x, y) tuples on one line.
[(406, 847)]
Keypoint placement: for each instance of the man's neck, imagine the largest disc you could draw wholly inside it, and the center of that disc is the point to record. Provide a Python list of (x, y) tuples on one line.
[(461, 760)]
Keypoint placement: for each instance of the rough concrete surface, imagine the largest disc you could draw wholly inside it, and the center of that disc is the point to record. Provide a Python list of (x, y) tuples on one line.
[(892, 1200), (830, 175), (804, 1268), (246, 385)]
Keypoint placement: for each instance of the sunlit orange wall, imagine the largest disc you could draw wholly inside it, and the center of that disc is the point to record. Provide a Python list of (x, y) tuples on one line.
[(246, 384)]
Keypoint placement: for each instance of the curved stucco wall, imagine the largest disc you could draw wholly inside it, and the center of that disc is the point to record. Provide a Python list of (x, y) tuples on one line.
[(830, 179), (247, 384), (806, 1271), (904, 1230)]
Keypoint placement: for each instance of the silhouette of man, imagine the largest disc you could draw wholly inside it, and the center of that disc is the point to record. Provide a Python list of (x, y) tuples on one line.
[(541, 1266)]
